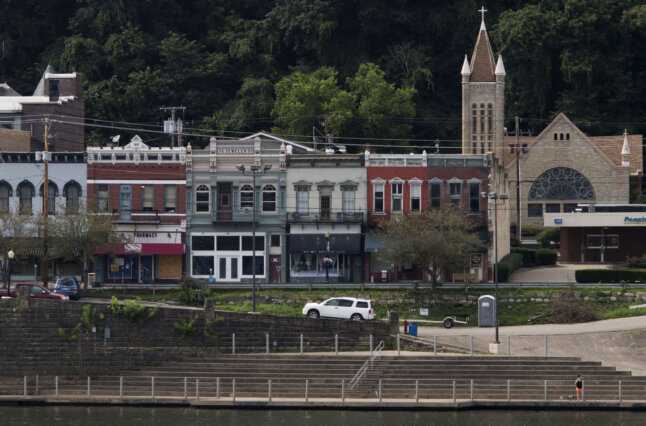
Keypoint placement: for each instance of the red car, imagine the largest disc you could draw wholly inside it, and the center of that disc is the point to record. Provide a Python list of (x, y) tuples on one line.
[(36, 291)]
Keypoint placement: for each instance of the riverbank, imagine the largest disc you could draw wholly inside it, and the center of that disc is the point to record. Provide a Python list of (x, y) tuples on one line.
[(326, 403)]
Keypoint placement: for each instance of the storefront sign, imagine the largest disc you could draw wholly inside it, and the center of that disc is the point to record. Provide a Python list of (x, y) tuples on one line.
[(635, 220)]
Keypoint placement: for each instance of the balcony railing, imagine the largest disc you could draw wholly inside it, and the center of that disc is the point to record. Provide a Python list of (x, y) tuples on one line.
[(325, 217), (149, 216)]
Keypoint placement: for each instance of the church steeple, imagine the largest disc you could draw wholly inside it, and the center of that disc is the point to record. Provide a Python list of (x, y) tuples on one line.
[(482, 62), (483, 90)]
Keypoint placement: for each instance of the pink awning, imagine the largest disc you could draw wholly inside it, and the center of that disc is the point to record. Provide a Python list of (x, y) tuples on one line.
[(145, 248)]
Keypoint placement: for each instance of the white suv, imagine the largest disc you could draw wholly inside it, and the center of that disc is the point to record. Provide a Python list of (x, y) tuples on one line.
[(341, 307)]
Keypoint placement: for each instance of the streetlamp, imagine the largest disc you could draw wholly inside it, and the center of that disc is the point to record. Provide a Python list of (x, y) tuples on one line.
[(327, 257), (255, 169), (10, 255), (495, 197)]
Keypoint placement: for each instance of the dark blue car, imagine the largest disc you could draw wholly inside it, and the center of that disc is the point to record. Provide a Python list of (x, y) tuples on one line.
[(69, 286)]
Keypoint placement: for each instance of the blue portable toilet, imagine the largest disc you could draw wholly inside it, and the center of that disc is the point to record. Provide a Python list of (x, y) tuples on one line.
[(486, 311), (412, 330)]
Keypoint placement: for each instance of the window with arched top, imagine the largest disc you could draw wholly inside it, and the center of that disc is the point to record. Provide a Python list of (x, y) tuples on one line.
[(72, 194), (268, 198), (561, 183), (5, 193), (202, 199), (25, 192), (52, 193), (246, 196)]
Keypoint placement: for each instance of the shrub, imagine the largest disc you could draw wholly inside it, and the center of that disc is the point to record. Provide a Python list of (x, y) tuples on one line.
[(610, 275), (545, 257), (186, 328), (508, 265), (636, 262), (134, 311), (529, 255), (546, 236), (528, 230), (566, 309), (191, 291)]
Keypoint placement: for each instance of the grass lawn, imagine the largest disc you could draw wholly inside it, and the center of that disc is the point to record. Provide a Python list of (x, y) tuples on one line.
[(405, 301)]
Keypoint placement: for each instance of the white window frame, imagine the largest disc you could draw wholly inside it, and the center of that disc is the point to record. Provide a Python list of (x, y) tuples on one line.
[(144, 199), (455, 198), (270, 191), (396, 195), (245, 191), (302, 198), (170, 200), (203, 189), (478, 182), (376, 184), (415, 186)]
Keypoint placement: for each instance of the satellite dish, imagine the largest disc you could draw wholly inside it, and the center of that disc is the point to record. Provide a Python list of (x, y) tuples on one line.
[(116, 138)]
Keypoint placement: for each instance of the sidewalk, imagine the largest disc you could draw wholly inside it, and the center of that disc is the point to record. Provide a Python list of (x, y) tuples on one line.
[(560, 273)]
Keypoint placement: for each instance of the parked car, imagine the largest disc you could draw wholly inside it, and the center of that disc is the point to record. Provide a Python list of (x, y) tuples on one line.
[(69, 286), (341, 307), (36, 291)]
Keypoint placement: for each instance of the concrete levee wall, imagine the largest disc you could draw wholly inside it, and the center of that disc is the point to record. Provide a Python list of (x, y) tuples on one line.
[(39, 338)]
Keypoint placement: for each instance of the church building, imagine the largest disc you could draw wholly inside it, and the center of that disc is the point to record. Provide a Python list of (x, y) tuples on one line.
[(551, 172)]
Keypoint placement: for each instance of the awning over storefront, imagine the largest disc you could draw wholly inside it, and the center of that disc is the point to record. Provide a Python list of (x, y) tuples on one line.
[(145, 248), (316, 243), (372, 243)]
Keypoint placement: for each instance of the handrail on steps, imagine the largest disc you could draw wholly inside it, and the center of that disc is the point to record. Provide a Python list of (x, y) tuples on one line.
[(364, 368)]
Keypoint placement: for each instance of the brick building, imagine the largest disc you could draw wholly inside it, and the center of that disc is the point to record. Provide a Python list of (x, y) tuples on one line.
[(58, 96), (412, 183), (144, 189)]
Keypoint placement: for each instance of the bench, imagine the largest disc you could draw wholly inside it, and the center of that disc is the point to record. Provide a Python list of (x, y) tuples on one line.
[(465, 277)]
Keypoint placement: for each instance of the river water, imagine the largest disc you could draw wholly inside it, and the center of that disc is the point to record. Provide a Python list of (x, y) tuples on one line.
[(130, 416)]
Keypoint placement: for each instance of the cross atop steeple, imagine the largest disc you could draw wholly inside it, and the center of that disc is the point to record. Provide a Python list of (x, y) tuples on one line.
[(482, 10)]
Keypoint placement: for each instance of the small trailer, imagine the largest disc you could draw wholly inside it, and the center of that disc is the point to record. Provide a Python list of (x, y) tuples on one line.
[(452, 319)]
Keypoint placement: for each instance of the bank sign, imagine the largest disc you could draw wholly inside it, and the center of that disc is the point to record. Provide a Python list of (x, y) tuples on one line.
[(634, 220)]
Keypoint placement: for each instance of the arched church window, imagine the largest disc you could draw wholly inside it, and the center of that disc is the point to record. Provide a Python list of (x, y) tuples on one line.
[(561, 183)]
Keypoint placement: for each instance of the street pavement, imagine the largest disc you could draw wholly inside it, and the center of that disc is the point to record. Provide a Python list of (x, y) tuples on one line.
[(619, 342)]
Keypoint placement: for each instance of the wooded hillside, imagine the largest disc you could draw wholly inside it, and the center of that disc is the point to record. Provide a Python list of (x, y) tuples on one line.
[(380, 69)]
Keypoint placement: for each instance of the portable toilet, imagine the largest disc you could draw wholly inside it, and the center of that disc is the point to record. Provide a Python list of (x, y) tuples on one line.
[(486, 311)]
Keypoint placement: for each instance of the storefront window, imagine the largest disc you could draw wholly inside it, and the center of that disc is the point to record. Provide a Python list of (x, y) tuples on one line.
[(202, 243), (310, 265), (202, 265), (248, 246), (229, 243), (246, 265)]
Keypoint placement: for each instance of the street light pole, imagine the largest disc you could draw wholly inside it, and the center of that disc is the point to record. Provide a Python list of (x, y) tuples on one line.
[(494, 197), (254, 168), (10, 255), (327, 257)]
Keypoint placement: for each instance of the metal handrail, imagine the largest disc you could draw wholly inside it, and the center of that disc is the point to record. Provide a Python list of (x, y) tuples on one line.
[(364, 368)]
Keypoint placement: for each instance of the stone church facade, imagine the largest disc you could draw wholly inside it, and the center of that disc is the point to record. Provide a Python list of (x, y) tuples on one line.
[(558, 168)]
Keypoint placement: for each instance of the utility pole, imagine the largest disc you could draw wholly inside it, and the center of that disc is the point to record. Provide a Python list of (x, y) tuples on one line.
[(176, 123), (517, 149), (44, 269)]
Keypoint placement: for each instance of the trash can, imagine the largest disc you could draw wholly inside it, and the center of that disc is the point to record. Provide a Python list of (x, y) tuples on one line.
[(486, 311), (412, 330)]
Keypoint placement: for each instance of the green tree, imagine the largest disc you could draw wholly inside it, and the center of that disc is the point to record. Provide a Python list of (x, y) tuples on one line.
[(303, 101), (16, 234), (76, 234), (383, 109), (437, 240)]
